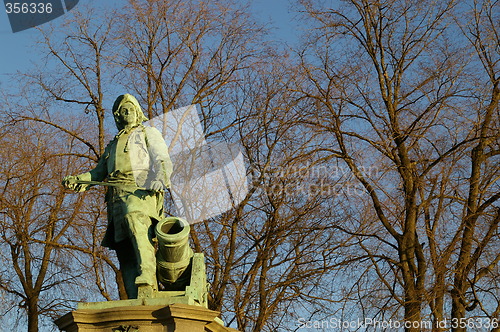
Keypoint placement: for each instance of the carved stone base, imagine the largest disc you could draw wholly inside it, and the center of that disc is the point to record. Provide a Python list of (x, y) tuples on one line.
[(127, 317)]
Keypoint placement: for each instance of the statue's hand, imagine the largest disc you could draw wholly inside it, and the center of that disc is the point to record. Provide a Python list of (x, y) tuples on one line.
[(69, 182), (157, 186)]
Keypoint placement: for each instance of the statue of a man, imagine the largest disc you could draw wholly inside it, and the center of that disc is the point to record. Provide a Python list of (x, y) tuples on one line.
[(137, 168)]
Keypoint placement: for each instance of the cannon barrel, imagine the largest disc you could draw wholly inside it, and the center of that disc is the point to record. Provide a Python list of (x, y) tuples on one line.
[(173, 257)]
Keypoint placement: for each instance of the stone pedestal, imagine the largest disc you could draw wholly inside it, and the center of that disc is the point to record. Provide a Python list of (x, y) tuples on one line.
[(127, 316), (153, 311)]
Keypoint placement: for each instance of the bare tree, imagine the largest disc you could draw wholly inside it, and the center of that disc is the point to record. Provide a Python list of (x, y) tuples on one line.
[(36, 215), (480, 219), (211, 55), (372, 153), (391, 90), (80, 60), (268, 255), (180, 53)]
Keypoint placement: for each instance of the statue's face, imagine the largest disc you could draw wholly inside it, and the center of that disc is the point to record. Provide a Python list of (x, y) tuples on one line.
[(127, 114)]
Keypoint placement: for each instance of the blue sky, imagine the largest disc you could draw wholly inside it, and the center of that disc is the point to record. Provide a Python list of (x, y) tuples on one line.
[(18, 48)]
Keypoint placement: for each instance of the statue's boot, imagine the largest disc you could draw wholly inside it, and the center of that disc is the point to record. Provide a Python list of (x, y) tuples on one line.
[(146, 282), (148, 272)]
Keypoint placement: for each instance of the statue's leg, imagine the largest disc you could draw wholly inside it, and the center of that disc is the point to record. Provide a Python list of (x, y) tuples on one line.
[(129, 266), (141, 229)]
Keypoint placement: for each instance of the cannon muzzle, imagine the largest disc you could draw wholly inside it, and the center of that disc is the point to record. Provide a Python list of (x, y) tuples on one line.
[(173, 258)]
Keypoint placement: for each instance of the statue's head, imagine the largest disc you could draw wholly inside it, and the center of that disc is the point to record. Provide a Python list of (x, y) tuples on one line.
[(123, 105)]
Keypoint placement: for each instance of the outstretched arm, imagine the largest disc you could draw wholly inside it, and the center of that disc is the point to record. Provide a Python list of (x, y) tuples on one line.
[(99, 173)]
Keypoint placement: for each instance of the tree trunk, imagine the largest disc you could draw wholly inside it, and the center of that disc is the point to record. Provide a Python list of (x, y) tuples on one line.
[(439, 303), (457, 309), (32, 308), (412, 301)]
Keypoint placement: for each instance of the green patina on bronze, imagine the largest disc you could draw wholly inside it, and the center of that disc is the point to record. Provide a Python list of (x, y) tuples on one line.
[(136, 168)]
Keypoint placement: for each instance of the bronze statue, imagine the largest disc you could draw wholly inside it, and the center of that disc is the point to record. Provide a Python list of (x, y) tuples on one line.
[(136, 168)]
